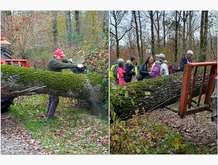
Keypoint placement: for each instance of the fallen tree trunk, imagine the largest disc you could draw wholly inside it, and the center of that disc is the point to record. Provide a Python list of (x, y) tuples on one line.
[(15, 82), (149, 94)]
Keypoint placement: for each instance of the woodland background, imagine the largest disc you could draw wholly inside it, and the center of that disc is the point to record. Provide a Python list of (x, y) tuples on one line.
[(142, 33)]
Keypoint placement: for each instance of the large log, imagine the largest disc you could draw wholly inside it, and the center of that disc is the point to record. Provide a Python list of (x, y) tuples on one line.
[(15, 80), (149, 94)]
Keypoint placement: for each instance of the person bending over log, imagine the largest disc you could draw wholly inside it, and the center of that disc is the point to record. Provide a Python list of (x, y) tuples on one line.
[(56, 64)]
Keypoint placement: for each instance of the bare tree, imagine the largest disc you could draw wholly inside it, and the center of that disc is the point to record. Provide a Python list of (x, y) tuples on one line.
[(173, 32), (141, 38), (203, 35), (184, 20), (54, 29), (177, 21), (157, 27), (164, 28), (77, 21), (190, 15), (117, 17), (152, 32), (137, 33), (69, 28)]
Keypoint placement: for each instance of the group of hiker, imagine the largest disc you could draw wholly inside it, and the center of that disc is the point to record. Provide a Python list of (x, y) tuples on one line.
[(122, 72), (153, 66)]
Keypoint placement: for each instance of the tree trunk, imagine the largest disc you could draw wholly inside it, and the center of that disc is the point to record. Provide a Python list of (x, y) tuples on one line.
[(203, 36), (152, 33), (141, 38), (177, 20), (54, 29), (190, 30), (69, 28), (137, 34), (15, 79), (184, 31), (158, 29), (118, 16), (114, 14), (117, 48), (148, 94), (105, 24), (164, 29), (117, 40), (77, 21)]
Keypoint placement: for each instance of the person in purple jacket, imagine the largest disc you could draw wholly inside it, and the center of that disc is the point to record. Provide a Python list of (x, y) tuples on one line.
[(155, 72)]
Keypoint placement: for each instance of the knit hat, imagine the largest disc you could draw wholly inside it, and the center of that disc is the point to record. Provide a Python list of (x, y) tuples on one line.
[(190, 52), (59, 54), (160, 56), (120, 60)]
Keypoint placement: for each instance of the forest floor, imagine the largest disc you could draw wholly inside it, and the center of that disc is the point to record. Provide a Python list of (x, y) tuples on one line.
[(197, 128), (162, 131), (72, 131), (16, 140)]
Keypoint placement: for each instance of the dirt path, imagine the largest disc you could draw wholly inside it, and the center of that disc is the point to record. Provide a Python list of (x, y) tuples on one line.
[(197, 128), (16, 140)]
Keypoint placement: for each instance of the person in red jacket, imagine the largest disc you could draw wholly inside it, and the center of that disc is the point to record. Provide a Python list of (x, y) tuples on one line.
[(120, 73)]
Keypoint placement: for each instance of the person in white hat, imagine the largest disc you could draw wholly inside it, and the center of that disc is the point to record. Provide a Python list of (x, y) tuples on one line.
[(187, 58), (164, 71)]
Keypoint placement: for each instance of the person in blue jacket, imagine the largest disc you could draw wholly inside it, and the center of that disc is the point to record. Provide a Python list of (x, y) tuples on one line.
[(187, 58), (146, 68)]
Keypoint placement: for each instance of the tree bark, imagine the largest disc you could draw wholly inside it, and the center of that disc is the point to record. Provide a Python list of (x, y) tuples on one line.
[(81, 86), (158, 29), (137, 34), (203, 36), (152, 33), (148, 94), (117, 48), (105, 23), (190, 29), (141, 38), (77, 21), (117, 17), (69, 28), (177, 20), (54, 29), (184, 18), (164, 29)]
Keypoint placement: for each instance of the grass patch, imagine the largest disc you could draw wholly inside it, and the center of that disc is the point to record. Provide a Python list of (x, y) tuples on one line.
[(140, 135), (72, 131)]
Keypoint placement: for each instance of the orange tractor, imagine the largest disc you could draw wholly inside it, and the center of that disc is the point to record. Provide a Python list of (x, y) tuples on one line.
[(6, 55), (6, 58)]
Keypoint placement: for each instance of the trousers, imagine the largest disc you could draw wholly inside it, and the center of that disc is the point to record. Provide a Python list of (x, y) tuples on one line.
[(52, 105)]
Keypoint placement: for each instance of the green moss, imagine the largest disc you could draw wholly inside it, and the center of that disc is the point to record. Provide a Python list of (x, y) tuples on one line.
[(94, 78), (58, 81), (125, 100)]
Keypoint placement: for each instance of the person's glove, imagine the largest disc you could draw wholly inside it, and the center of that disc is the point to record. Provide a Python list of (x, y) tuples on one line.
[(80, 65), (70, 60)]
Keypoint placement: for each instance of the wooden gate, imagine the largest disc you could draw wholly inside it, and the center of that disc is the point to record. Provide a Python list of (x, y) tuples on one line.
[(188, 84)]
